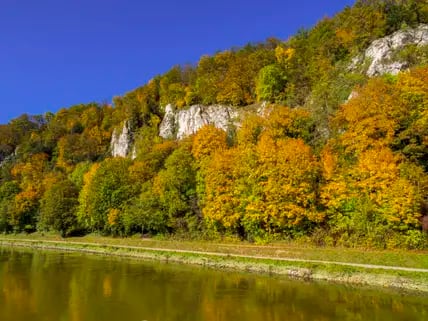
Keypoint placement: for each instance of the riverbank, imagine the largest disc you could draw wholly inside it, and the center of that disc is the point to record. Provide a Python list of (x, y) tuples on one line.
[(393, 269)]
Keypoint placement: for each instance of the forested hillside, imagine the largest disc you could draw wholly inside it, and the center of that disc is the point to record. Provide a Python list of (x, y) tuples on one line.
[(314, 165)]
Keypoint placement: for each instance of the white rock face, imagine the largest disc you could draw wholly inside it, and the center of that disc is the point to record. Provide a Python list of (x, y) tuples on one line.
[(381, 50), (121, 143), (178, 125), (185, 122), (167, 128)]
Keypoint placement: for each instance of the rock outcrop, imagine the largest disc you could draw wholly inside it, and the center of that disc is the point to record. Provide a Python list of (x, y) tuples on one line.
[(121, 143), (181, 123), (380, 52), (178, 124)]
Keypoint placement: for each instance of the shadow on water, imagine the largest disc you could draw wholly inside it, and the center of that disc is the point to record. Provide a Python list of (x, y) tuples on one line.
[(38, 285)]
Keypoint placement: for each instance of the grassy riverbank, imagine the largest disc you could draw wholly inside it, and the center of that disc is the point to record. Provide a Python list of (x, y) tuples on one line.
[(398, 269)]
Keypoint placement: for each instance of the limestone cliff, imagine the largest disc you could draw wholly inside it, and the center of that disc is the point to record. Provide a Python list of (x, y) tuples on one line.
[(181, 123), (377, 59), (121, 143), (380, 54)]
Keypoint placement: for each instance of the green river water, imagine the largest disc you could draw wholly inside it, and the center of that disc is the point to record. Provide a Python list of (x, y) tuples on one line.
[(43, 285)]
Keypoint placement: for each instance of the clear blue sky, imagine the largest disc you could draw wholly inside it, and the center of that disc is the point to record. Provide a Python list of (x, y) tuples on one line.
[(57, 53)]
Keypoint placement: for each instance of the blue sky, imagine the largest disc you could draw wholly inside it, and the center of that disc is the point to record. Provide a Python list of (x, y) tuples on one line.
[(57, 53)]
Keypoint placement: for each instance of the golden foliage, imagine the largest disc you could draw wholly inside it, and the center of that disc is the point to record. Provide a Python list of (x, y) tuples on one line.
[(113, 217), (328, 162), (283, 121), (207, 141), (288, 172), (221, 203), (369, 117), (284, 55)]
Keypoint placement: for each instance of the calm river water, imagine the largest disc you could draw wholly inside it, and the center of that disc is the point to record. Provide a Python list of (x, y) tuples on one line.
[(37, 285)]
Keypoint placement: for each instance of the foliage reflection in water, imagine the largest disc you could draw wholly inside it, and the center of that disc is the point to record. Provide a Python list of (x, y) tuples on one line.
[(56, 286)]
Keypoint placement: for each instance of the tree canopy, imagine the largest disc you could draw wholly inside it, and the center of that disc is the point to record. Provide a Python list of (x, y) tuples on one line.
[(313, 165)]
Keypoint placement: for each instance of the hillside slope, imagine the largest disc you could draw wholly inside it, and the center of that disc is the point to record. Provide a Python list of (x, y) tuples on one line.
[(272, 145)]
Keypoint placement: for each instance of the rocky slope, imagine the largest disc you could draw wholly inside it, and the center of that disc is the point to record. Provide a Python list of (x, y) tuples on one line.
[(376, 60), (121, 142), (185, 122), (380, 54)]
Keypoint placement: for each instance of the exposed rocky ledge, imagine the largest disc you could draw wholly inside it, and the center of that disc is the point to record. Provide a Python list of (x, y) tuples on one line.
[(380, 52), (121, 143), (178, 124)]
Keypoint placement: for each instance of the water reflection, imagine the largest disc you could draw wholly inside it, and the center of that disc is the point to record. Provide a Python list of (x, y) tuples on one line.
[(54, 286)]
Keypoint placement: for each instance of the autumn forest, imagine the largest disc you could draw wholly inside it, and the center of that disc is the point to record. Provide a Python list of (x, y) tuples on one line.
[(312, 166)]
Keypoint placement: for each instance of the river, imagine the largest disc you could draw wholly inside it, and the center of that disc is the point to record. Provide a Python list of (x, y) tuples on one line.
[(44, 285)]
